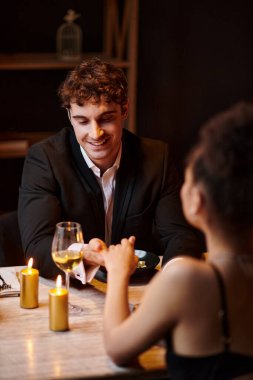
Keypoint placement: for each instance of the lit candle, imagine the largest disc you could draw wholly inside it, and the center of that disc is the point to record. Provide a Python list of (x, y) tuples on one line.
[(58, 307), (29, 285)]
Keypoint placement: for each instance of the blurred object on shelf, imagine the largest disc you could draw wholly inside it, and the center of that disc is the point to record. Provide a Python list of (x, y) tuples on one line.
[(69, 38)]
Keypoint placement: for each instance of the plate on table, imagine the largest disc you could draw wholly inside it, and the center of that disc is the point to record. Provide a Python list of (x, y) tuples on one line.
[(145, 268), (147, 262)]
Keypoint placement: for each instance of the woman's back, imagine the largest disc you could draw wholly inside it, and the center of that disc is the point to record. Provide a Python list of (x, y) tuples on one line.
[(213, 339)]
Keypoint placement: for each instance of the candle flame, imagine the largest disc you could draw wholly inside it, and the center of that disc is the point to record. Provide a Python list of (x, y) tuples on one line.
[(58, 281), (30, 262)]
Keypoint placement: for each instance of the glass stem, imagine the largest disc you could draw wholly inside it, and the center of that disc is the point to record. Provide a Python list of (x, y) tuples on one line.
[(67, 281)]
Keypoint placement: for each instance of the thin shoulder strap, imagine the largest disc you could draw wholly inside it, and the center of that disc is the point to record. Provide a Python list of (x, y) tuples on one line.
[(223, 313)]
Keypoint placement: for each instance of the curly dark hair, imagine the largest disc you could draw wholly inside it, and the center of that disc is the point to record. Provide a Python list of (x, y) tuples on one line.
[(94, 80), (223, 162)]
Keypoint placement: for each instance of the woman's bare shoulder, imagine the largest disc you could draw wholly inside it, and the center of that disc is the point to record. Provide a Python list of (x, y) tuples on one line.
[(187, 271)]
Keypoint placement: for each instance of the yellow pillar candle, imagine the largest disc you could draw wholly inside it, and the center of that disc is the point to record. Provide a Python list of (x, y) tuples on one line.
[(58, 307), (29, 285)]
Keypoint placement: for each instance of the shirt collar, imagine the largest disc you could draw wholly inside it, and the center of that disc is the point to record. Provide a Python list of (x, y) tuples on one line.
[(93, 167)]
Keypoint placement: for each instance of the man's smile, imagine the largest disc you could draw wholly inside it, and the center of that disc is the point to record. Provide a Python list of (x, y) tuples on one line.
[(98, 142)]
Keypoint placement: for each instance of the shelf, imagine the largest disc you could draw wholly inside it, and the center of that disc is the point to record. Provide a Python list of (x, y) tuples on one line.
[(16, 144), (25, 135), (47, 61), (13, 148)]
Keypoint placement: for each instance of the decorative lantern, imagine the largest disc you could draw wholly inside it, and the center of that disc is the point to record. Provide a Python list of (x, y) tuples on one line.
[(69, 38)]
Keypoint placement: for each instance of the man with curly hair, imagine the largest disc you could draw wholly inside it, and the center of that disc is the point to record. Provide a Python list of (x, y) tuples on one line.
[(99, 174)]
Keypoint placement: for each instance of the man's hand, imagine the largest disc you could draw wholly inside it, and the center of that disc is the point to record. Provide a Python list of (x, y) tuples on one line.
[(92, 252)]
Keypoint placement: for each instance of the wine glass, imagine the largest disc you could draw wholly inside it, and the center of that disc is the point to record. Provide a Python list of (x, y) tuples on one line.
[(67, 250)]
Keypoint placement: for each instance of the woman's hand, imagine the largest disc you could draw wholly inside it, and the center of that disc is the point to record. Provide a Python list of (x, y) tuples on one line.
[(121, 258)]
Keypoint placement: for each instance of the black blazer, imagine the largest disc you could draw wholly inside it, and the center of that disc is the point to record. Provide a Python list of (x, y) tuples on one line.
[(57, 185)]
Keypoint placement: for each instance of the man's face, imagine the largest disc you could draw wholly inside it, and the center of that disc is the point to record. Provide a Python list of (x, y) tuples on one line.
[(98, 129)]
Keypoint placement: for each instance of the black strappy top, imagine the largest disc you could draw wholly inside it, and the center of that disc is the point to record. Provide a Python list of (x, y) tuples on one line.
[(223, 366)]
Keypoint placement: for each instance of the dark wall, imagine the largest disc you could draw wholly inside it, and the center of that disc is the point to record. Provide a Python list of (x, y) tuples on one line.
[(31, 25), (195, 59)]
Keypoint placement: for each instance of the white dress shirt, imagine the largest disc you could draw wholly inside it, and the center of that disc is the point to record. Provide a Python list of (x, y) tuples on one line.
[(107, 185)]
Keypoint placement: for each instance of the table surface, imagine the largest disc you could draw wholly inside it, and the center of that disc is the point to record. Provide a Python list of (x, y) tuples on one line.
[(30, 350)]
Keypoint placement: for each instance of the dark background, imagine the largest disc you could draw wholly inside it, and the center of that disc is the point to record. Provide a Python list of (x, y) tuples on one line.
[(195, 58)]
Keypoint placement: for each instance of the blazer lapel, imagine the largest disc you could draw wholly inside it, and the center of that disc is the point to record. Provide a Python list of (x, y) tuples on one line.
[(125, 181)]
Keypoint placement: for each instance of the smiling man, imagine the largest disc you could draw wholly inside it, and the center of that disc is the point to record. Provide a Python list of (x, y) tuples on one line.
[(98, 130), (97, 173)]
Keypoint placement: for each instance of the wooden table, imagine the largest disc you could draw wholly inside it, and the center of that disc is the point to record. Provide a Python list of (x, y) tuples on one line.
[(29, 350)]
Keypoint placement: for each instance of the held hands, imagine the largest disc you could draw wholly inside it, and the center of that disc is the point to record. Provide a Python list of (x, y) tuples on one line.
[(118, 258)]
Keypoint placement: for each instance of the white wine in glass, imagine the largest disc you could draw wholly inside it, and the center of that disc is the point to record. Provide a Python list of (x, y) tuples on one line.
[(67, 260), (67, 248)]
